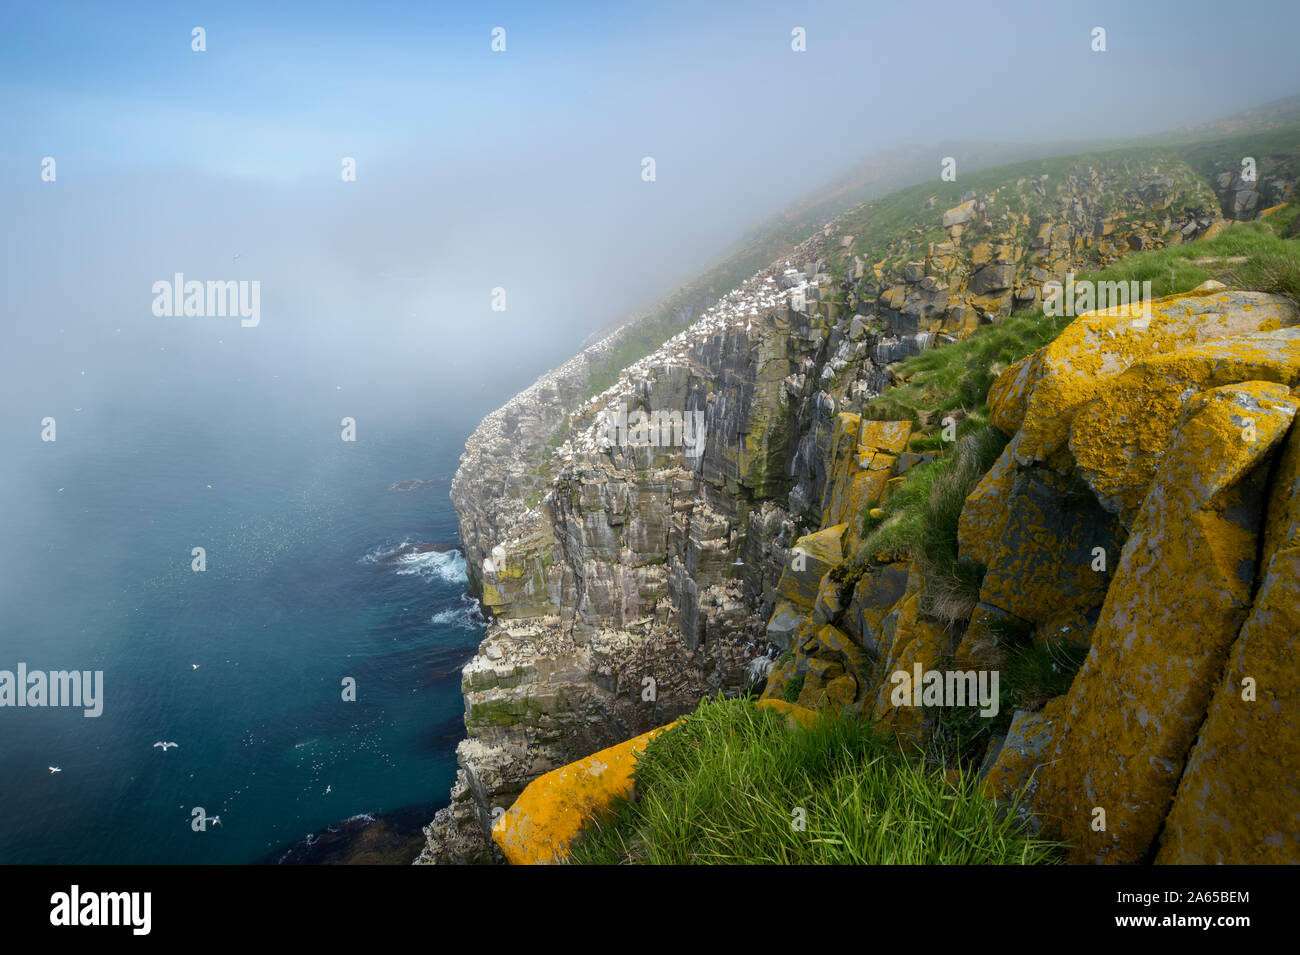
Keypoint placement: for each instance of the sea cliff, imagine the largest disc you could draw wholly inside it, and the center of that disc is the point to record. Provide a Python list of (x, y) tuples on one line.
[(627, 581)]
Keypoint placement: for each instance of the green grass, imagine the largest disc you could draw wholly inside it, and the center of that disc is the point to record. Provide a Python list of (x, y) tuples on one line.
[(1038, 672), (897, 227), (951, 586), (960, 735), (958, 376), (895, 533), (724, 787), (919, 522), (793, 687)]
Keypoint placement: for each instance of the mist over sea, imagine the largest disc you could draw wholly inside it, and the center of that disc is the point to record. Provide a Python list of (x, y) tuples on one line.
[(317, 569)]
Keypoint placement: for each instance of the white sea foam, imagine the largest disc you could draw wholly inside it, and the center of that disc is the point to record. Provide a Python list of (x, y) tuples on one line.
[(448, 567), (407, 557), (467, 616)]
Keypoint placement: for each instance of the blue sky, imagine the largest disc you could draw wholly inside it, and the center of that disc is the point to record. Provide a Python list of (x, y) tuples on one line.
[(521, 169), (283, 86)]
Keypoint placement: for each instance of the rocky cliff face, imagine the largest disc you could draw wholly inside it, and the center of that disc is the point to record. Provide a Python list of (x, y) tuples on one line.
[(1145, 511), (628, 580), (962, 256)]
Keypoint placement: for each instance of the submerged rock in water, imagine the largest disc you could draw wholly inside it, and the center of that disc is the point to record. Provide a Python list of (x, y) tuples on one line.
[(394, 838), (411, 485)]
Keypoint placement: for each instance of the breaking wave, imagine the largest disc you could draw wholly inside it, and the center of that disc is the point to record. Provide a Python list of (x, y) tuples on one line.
[(423, 560), (467, 615)]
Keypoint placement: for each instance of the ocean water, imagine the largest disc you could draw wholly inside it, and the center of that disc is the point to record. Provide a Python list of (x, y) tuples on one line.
[(316, 570)]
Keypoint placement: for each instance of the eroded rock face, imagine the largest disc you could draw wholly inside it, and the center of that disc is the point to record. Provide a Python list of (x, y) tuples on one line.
[(993, 252), (639, 576)]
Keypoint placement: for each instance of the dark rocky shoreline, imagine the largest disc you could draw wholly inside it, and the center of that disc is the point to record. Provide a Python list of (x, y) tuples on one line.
[(381, 838)]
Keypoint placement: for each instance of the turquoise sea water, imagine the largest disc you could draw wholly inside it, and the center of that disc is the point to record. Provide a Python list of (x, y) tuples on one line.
[(306, 584)]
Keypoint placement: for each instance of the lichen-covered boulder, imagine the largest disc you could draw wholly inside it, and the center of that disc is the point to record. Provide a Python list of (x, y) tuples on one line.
[(797, 716), (907, 638), (987, 510), (1012, 776), (831, 641), (810, 559), (959, 214), (1239, 798), (863, 456), (1119, 438), (841, 466), (783, 671), (874, 595), (1099, 345), (889, 437), (837, 669), (827, 606), (819, 672), (1051, 557), (1009, 394), (785, 621), (1180, 594), (553, 808)]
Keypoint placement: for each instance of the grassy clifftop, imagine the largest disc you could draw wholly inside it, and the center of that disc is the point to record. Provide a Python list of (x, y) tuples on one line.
[(733, 784)]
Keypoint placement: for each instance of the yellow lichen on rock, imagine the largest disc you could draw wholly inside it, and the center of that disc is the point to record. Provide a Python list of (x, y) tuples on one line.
[(1251, 735), (1029, 740), (841, 468), (1041, 553), (1009, 394), (810, 558), (987, 510), (836, 669), (798, 715), (907, 638), (553, 808), (862, 459), (1119, 438), (889, 437), (783, 671), (1099, 345), (1181, 592), (540, 826)]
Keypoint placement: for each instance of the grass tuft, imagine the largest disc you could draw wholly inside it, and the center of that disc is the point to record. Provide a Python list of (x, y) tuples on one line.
[(726, 786)]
